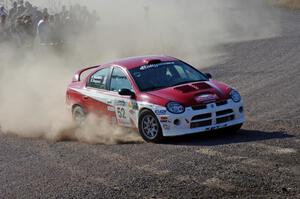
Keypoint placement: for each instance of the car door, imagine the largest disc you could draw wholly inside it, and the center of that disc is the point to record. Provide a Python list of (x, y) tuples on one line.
[(125, 108), (96, 95)]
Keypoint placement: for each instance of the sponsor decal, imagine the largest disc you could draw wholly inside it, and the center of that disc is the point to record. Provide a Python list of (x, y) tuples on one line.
[(166, 127), (132, 112), (130, 105), (206, 98), (146, 67), (121, 113), (146, 105), (160, 112), (111, 108), (120, 103), (165, 119), (216, 127), (123, 116), (133, 105)]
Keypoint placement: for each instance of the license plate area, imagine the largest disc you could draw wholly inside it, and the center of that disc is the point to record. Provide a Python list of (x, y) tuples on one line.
[(213, 128)]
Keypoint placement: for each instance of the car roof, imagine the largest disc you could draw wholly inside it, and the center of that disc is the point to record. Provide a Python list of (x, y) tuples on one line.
[(133, 62)]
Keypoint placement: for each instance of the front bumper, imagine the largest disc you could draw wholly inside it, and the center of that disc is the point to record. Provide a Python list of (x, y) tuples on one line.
[(213, 116)]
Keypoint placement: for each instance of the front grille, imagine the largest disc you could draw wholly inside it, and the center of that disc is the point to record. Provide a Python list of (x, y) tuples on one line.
[(224, 112), (201, 124), (225, 119), (222, 103), (199, 107), (202, 116)]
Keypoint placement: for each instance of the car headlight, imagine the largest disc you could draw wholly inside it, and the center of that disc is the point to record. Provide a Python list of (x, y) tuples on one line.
[(175, 108), (235, 96)]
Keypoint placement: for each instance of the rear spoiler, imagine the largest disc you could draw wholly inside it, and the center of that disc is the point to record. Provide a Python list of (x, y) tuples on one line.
[(77, 76)]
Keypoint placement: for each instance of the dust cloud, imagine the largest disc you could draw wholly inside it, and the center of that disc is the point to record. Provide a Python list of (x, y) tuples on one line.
[(33, 81)]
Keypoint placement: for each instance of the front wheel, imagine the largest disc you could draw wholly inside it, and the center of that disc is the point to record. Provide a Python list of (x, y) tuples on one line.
[(149, 127)]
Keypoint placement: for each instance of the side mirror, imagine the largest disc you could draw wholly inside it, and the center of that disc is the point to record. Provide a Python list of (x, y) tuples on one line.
[(208, 75), (126, 92)]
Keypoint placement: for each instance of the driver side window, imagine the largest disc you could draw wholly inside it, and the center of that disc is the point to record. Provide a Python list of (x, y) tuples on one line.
[(119, 81)]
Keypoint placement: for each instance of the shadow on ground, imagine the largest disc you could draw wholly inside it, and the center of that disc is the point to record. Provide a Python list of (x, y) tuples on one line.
[(224, 138), (221, 137)]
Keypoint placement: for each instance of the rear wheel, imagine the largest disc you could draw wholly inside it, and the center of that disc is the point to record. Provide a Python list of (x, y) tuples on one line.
[(79, 115), (149, 127)]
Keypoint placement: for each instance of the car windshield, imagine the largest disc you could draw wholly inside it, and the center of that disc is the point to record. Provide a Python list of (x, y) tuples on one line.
[(165, 74)]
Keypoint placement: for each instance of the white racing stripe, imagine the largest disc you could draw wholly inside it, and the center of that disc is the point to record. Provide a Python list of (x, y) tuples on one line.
[(127, 114)]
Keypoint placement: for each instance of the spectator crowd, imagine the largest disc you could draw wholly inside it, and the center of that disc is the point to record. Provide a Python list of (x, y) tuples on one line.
[(24, 24)]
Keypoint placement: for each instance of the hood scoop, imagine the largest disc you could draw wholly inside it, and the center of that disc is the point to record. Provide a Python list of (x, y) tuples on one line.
[(186, 88), (202, 86), (193, 87)]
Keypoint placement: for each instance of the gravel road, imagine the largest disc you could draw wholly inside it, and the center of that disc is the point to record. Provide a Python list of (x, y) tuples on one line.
[(262, 160)]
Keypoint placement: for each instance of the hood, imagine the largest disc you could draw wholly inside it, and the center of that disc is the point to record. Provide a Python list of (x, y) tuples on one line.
[(192, 94)]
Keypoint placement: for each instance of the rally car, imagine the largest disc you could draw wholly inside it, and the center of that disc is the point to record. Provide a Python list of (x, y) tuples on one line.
[(160, 96)]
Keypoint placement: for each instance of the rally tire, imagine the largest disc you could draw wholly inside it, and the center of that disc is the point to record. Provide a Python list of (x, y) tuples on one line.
[(149, 127), (79, 115)]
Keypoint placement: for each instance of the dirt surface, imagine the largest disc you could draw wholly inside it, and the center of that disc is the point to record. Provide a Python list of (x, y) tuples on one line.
[(262, 160)]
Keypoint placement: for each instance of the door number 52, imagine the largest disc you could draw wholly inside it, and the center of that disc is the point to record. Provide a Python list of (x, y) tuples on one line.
[(121, 113)]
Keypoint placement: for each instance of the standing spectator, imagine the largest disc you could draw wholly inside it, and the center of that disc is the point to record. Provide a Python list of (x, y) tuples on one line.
[(52, 28), (2, 11), (36, 16), (45, 12), (4, 29), (94, 18), (28, 9), (24, 23), (2, 23), (21, 8), (13, 11), (2, 20), (57, 29), (19, 31), (29, 31), (64, 13), (43, 30)]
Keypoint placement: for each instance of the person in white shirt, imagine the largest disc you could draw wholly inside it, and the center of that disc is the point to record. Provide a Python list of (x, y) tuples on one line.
[(43, 30)]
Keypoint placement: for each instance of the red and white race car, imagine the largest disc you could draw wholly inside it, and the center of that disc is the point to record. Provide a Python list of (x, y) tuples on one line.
[(160, 96)]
